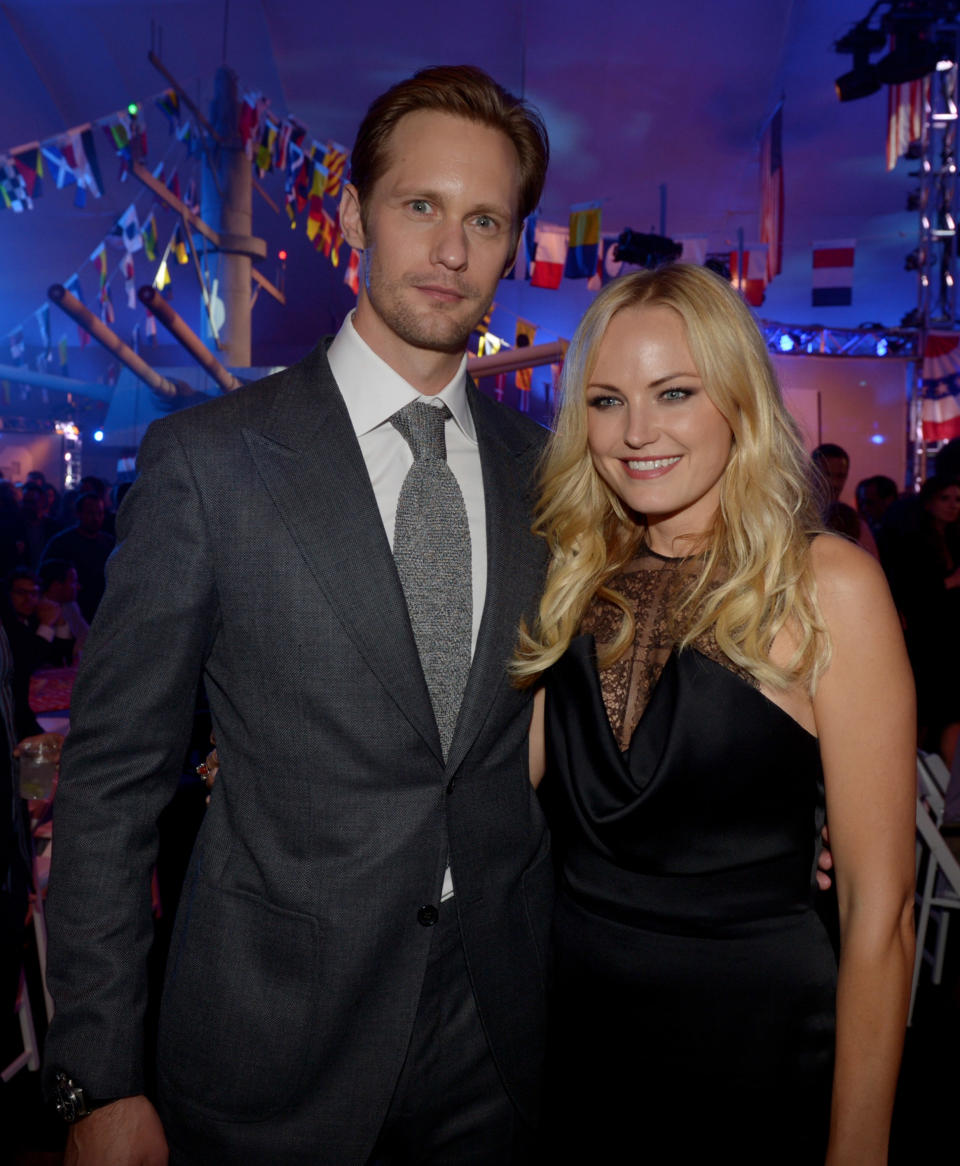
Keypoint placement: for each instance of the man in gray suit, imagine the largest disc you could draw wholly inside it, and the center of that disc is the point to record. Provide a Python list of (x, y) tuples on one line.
[(357, 968)]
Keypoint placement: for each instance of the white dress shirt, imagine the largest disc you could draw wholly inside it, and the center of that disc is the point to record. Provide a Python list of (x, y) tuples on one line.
[(373, 392)]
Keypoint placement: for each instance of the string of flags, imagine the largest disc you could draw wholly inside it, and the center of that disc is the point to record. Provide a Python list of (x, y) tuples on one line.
[(313, 172), (131, 233), (70, 159)]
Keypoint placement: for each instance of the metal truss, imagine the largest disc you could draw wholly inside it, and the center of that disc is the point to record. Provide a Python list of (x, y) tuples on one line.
[(819, 340), (936, 199)]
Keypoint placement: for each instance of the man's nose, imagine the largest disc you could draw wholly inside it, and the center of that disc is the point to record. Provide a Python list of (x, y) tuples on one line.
[(450, 246)]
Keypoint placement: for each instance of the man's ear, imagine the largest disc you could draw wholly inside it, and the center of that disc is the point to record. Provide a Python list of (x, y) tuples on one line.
[(351, 220)]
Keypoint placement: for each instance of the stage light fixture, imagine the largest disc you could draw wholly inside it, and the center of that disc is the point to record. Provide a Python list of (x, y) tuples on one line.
[(646, 250), (914, 54), (862, 80), (719, 267)]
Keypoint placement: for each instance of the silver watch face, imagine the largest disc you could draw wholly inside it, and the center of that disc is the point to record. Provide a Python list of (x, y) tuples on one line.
[(71, 1100)]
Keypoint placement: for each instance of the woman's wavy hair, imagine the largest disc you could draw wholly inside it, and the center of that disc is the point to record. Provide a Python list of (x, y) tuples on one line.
[(756, 575)]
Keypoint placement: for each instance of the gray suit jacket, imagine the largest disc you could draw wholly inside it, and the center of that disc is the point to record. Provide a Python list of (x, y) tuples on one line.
[(252, 553)]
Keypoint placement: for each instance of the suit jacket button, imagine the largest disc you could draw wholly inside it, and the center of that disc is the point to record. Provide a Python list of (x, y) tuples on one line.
[(428, 915)]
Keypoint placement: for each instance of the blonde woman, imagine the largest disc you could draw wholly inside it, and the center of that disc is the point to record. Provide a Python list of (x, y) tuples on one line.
[(716, 676)]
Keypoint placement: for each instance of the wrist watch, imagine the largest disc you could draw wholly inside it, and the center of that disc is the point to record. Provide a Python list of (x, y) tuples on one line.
[(73, 1101)]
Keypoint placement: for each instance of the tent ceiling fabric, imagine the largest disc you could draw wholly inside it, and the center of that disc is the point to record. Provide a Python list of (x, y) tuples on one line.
[(635, 94)]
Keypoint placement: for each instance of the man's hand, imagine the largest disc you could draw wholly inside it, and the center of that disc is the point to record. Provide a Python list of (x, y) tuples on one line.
[(124, 1133), (48, 612)]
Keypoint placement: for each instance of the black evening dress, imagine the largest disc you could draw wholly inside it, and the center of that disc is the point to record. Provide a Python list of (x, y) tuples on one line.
[(693, 1004)]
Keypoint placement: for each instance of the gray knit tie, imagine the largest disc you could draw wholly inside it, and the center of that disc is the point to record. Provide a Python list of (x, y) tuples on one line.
[(431, 547)]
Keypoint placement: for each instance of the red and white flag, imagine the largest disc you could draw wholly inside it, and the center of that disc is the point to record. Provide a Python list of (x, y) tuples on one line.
[(940, 391), (351, 277), (771, 193), (754, 282), (906, 105), (551, 255)]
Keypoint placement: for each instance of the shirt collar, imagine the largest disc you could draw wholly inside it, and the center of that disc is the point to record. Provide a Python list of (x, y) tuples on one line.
[(373, 392)]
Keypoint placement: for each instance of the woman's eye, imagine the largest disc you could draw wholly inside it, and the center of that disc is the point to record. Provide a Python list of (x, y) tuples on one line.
[(603, 402), (675, 394)]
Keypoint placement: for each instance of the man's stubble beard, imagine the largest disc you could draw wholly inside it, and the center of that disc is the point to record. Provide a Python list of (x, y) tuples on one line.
[(435, 332)]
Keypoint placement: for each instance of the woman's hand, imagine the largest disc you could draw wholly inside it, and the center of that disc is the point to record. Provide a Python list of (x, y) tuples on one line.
[(208, 769)]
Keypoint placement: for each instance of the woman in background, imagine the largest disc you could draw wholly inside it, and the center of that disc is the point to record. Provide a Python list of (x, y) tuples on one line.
[(715, 677)]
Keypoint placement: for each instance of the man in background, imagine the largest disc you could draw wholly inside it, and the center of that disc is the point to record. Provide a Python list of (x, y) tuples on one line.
[(88, 547)]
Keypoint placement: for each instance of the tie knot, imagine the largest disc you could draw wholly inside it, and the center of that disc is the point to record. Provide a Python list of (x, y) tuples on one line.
[(422, 428)]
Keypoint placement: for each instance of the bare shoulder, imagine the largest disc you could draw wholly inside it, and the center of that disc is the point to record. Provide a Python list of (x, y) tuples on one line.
[(848, 578), (858, 612)]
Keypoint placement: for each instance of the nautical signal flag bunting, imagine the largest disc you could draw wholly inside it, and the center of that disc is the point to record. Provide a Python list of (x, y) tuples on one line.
[(550, 256), (584, 241)]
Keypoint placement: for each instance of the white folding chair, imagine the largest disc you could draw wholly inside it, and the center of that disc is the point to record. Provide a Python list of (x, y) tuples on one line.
[(41, 876), (30, 1057), (940, 894), (933, 777)]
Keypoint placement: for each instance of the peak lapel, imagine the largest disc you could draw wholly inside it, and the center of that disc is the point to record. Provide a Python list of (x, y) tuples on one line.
[(311, 464)]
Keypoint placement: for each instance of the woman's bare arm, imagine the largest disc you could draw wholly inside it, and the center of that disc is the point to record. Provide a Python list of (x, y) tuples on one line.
[(866, 722)]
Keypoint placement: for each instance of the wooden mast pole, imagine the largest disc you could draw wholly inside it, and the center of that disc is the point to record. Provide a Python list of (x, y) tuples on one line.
[(227, 205)]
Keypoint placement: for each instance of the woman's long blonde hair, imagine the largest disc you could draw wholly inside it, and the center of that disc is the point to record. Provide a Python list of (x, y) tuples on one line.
[(756, 576)]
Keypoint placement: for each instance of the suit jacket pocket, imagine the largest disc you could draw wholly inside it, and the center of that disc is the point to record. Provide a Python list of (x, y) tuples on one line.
[(236, 1020)]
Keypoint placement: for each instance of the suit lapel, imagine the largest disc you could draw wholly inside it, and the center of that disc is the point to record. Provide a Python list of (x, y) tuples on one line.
[(311, 464), (514, 564)]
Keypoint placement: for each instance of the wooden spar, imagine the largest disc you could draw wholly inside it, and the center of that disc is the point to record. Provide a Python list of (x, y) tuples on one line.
[(175, 325), (163, 387), (156, 186), (17, 374), (510, 359), (258, 250)]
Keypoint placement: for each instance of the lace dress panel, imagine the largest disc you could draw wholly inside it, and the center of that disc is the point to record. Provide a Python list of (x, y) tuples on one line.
[(653, 586)]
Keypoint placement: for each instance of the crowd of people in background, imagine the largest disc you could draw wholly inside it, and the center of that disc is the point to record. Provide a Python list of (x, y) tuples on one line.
[(53, 553), (916, 536)]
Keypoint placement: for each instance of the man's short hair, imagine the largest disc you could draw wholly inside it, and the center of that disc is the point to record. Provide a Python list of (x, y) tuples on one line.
[(21, 572), (829, 450), (54, 571), (463, 91), (885, 487)]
